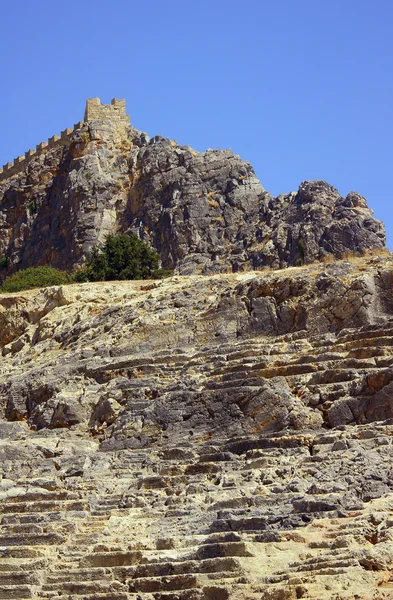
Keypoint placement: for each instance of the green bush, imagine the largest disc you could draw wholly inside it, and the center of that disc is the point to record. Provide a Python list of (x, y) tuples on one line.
[(3, 262), (34, 277), (121, 257)]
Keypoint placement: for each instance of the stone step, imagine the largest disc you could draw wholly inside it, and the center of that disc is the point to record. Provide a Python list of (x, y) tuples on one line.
[(43, 517), (23, 552), (330, 376), (223, 549), (161, 569), (369, 352), (202, 468), (84, 575), (217, 456), (162, 584), (43, 539), (43, 497), (368, 336), (111, 559), (299, 365), (286, 370), (307, 575), (221, 577), (322, 563), (22, 565), (21, 528), (15, 592), (85, 539), (78, 587), (94, 596), (47, 506), (18, 578), (249, 524)]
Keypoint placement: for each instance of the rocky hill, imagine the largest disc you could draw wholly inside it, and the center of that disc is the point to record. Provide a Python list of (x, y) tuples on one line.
[(203, 212), (224, 434)]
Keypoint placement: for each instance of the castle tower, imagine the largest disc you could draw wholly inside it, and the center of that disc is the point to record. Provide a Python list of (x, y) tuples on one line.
[(115, 111)]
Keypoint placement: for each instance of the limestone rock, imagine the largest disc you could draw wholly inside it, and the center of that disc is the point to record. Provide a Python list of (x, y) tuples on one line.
[(203, 212), (223, 436)]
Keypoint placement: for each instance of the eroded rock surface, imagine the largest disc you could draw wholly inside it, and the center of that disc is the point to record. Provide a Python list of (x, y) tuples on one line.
[(217, 437), (203, 212)]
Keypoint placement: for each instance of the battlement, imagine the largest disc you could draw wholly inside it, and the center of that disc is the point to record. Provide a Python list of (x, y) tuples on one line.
[(115, 111), (21, 162)]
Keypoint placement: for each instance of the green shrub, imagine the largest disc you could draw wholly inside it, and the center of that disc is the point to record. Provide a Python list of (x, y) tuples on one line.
[(121, 257), (3, 262), (34, 277)]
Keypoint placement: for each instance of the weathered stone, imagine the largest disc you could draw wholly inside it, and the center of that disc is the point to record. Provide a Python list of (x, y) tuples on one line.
[(203, 212), (201, 437)]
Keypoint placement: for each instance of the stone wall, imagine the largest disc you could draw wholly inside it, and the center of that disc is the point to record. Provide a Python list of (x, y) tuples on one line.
[(20, 163), (115, 111)]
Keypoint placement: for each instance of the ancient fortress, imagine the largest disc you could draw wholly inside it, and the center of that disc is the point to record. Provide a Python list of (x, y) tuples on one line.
[(115, 111)]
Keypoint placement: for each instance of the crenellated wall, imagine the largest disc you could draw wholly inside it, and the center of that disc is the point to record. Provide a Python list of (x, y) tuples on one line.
[(20, 163), (115, 111)]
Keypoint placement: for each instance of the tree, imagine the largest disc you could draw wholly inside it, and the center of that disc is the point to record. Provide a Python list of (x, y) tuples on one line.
[(121, 257)]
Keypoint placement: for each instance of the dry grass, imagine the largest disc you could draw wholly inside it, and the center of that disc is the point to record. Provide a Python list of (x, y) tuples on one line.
[(378, 252), (327, 259), (349, 254), (265, 268), (121, 185), (213, 203)]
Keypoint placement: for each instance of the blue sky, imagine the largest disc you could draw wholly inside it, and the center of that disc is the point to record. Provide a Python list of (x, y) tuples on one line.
[(303, 89)]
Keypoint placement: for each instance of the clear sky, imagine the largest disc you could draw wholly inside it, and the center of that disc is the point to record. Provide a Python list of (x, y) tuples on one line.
[(303, 89)]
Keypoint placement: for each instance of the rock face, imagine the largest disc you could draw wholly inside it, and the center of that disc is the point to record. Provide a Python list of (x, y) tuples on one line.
[(203, 212), (202, 437), (222, 434)]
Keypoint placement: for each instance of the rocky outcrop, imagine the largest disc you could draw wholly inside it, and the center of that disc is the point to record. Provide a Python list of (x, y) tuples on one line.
[(237, 353), (203, 212), (208, 212), (227, 436), (224, 434)]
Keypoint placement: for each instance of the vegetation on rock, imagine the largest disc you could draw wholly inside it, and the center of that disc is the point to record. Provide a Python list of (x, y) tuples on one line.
[(34, 277), (122, 257)]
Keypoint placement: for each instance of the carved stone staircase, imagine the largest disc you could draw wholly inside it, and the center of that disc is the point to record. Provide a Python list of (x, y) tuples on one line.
[(208, 519)]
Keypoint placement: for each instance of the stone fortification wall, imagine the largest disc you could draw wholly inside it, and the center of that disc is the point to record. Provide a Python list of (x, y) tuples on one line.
[(20, 163), (115, 111)]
